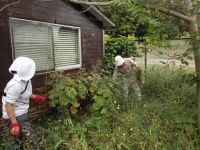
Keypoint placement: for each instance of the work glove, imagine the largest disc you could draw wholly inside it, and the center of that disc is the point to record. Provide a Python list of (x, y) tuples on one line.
[(14, 129), (39, 98)]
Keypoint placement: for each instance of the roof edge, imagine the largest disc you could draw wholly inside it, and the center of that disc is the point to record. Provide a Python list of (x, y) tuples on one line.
[(99, 15)]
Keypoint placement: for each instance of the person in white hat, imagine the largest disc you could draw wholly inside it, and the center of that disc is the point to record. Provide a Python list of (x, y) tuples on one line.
[(132, 73), (15, 100)]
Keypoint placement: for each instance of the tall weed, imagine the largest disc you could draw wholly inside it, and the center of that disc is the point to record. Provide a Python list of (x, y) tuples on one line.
[(166, 81)]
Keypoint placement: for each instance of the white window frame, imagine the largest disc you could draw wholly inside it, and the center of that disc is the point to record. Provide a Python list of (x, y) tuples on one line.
[(32, 22)]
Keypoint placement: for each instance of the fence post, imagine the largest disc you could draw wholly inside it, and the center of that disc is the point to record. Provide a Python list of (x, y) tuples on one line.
[(145, 60)]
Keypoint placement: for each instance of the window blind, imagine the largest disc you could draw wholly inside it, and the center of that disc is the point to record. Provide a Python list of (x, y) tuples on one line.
[(33, 41), (51, 46), (66, 51)]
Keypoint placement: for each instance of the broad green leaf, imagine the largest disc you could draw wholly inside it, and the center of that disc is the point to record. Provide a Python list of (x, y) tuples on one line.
[(75, 103)]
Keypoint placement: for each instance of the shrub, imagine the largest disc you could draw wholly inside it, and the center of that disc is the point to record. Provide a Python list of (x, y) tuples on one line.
[(95, 92)]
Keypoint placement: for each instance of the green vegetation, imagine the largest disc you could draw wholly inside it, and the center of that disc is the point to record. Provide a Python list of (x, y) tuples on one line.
[(124, 46), (164, 119), (133, 19), (94, 91), (88, 112)]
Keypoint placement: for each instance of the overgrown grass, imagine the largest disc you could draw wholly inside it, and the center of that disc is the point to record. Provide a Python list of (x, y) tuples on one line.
[(165, 119)]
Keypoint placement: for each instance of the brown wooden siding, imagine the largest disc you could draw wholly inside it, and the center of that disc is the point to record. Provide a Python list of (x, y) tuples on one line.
[(5, 52), (58, 12)]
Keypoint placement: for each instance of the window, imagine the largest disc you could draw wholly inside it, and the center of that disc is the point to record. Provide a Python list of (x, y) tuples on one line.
[(51, 46)]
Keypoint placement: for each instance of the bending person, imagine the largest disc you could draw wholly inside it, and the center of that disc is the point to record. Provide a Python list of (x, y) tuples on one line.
[(132, 73)]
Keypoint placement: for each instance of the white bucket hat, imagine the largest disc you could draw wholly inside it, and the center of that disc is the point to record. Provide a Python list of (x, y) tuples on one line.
[(24, 67), (119, 60)]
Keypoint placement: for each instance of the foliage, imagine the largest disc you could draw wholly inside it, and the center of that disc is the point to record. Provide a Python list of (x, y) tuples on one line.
[(163, 120), (64, 91), (122, 17), (171, 30), (131, 18), (185, 35), (94, 90), (7, 141), (169, 80), (123, 46)]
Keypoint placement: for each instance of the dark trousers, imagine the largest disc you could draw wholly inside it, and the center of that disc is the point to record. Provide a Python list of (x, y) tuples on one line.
[(27, 134)]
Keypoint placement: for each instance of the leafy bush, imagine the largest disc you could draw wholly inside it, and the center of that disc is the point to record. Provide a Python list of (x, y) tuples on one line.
[(94, 91), (123, 46)]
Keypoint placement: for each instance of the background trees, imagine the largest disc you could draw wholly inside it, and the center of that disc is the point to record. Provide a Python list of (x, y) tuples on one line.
[(184, 10)]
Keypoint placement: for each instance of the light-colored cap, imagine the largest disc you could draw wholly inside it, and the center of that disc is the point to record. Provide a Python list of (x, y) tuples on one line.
[(24, 67), (119, 60)]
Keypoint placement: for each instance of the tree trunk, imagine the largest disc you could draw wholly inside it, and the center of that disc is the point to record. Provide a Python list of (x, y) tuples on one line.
[(196, 51)]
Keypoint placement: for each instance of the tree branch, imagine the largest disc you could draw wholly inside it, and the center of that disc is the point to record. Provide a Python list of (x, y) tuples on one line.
[(92, 3), (14, 3), (172, 13)]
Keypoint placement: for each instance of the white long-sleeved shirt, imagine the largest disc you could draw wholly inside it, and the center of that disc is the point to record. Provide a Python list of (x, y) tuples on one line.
[(13, 96)]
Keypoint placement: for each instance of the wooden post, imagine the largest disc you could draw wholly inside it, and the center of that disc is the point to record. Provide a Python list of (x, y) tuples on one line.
[(145, 60)]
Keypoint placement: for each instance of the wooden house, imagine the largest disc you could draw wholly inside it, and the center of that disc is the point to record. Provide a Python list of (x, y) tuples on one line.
[(57, 34)]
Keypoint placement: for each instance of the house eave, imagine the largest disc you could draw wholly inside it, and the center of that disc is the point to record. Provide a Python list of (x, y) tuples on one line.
[(107, 23)]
